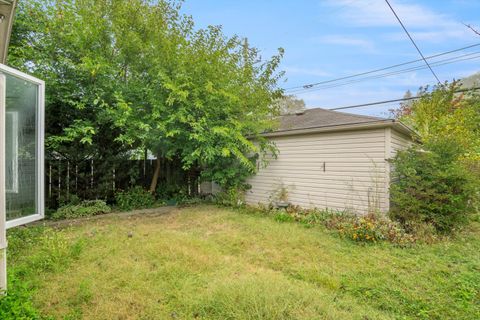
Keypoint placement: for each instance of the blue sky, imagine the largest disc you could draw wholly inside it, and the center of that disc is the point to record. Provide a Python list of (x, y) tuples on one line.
[(333, 38)]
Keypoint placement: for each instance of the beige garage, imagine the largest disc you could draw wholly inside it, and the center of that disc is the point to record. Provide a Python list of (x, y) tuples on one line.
[(330, 159)]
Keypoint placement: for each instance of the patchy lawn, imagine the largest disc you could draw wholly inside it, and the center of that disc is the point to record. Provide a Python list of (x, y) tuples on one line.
[(214, 263)]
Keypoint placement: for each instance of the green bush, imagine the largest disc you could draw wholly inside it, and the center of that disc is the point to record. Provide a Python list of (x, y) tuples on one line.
[(85, 208), (232, 197), (431, 186), (135, 198), (172, 192)]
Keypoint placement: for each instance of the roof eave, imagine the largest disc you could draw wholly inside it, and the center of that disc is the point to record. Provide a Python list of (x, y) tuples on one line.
[(397, 125)]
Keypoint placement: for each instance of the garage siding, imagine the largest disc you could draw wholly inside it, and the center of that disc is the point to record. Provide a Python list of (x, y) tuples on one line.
[(335, 170), (399, 142)]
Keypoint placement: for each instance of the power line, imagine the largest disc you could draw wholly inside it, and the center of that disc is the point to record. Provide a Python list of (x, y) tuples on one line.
[(310, 85), (395, 100), (469, 56), (383, 75), (411, 39)]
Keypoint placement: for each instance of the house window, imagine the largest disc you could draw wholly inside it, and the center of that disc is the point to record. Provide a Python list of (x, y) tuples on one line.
[(11, 152), (21, 102)]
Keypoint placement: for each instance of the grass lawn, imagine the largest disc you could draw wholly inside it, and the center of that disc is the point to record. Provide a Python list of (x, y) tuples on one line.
[(214, 263)]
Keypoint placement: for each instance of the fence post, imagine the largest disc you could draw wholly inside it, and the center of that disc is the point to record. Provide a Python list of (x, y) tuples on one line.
[(76, 179), (49, 181), (68, 179), (59, 178), (91, 174)]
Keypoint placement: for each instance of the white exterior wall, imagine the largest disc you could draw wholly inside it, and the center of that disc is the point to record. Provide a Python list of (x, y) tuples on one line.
[(355, 178), (400, 141)]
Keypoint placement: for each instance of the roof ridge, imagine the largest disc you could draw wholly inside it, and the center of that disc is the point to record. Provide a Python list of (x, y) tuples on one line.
[(349, 114)]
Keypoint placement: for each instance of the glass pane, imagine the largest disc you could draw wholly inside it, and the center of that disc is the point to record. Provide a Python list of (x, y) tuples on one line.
[(20, 147)]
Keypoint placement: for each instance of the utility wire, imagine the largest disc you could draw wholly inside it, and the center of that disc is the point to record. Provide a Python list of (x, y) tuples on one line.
[(411, 39), (310, 85), (395, 100), (469, 56), (383, 75)]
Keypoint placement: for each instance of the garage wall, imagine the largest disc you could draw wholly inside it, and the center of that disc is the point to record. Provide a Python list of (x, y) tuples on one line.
[(337, 170), (399, 141)]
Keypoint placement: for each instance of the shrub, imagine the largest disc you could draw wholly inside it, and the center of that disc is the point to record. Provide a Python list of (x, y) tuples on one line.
[(135, 198), (232, 197), (85, 208), (172, 191), (431, 187), (375, 228)]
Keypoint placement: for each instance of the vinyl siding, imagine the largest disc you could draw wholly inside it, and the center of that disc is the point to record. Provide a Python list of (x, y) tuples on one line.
[(354, 178), (399, 141)]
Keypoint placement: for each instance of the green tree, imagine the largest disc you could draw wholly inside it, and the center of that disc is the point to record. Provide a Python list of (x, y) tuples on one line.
[(444, 114), (206, 105), (134, 75)]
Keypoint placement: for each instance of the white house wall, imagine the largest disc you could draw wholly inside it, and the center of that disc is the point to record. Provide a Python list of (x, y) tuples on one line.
[(354, 178)]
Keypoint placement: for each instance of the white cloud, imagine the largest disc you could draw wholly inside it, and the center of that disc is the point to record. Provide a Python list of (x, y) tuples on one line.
[(424, 23)]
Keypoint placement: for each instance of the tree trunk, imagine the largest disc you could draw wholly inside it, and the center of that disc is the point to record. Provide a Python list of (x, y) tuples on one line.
[(156, 174)]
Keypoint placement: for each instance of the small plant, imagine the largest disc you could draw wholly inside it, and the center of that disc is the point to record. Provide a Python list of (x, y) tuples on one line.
[(364, 229), (135, 198), (371, 228), (232, 197), (85, 208), (283, 216)]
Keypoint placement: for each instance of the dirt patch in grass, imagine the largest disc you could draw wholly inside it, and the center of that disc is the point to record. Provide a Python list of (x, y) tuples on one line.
[(214, 263)]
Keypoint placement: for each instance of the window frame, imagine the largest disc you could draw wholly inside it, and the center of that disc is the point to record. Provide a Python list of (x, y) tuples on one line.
[(40, 128)]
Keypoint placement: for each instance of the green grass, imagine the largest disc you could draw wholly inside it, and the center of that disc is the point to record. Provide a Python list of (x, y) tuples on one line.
[(214, 263)]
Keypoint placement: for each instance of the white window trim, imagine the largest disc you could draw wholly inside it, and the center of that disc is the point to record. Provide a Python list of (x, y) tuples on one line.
[(40, 127)]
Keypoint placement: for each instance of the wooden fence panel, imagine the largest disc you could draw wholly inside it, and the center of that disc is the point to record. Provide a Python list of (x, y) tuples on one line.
[(96, 179)]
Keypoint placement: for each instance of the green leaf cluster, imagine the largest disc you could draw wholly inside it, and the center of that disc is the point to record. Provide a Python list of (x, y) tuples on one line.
[(133, 75)]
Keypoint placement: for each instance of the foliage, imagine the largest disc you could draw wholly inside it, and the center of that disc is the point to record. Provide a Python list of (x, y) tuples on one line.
[(373, 228), (205, 101), (431, 186), (171, 191), (283, 216), (135, 198), (289, 104), (66, 43), (33, 251), (17, 303), (137, 75), (442, 115), (232, 197), (86, 208)]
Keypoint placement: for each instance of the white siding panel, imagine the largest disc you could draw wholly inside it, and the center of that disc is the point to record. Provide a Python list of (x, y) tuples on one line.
[(336, 170), (399, 142)]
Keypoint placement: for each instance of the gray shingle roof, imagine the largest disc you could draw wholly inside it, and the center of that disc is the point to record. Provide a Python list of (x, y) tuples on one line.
[(318, 117)]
